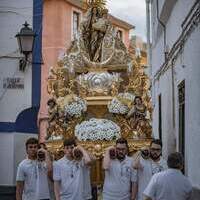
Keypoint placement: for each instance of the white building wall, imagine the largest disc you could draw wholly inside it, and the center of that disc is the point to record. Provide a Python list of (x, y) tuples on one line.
[(12, 152), (190, 61), (12, 15), (13, 101), (177, 16), (164, 87), (158, 50), (186, 67), (7, 160)]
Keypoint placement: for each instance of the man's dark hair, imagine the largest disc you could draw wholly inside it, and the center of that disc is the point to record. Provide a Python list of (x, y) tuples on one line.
[(31, 141), (69, 142), (122, 141), (156, 141), (175, 160)]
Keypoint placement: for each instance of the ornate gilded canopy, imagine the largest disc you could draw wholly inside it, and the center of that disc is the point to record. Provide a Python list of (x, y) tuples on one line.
[(100, 87)]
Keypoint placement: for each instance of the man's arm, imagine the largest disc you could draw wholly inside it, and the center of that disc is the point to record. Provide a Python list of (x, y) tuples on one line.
[(134, 184), (150, 191), (19, 189), (49, 165), (20, 181), (57, 189), (134, 190), (57, 179), (137, 164), (86, 157), (106, 159)]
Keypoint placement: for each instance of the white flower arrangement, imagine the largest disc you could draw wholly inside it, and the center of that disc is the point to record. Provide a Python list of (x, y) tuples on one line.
[(76, 108), (127, 95), (97, 129), (55, 137), (117, 107)]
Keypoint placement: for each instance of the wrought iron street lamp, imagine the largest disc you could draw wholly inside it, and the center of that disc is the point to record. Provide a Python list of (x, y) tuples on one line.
[(25, 40)]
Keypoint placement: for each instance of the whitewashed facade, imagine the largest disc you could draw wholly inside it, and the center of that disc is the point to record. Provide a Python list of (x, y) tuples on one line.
[(175, 55), (18, 106)]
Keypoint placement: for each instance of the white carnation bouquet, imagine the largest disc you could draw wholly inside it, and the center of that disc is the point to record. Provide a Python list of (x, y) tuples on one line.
[(76, 108), (118, 107), (97, 129)]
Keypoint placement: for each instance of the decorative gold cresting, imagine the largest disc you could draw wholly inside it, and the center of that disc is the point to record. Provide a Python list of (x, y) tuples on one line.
[(94, 3)]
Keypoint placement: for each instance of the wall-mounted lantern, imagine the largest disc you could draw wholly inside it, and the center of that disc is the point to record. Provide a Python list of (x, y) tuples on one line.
[(25, 39)]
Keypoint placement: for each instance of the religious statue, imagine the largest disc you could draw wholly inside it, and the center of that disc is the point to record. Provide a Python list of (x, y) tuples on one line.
[(99, 90), (137, 112), (58, 118), (97, 44), (53, 117), (86, 27), (92, 32), (63, 118), (99, 30)]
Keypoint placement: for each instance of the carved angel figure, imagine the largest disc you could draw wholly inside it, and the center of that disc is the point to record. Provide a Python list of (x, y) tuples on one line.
[(53, 117), (137, 112)]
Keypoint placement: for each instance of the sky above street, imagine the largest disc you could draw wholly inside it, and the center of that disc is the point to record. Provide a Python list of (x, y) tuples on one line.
[(132, 11)]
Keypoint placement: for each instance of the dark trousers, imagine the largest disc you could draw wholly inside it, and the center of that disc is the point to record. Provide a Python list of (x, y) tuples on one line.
[(44, 199), (94, 192)]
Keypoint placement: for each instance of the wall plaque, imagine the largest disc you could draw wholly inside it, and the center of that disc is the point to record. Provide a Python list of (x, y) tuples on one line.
[(13, 83)]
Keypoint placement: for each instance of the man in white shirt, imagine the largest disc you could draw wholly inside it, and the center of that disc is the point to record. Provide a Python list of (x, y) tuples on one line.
[(170, 184), (87, 189), (31, 172), (120, 177), (147, 164), (44, 183), (68, 172)]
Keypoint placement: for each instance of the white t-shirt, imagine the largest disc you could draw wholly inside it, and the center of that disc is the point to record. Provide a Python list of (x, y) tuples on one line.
[(169, 185), (70, 175), (42, 182), (87, 191), (149, 168), (34, 178), (118, 179)]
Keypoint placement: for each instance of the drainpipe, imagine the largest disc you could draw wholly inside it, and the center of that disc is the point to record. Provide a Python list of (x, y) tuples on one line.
[(173, 93), (164, 29), (173, 140), (148, 32), (173, 105)]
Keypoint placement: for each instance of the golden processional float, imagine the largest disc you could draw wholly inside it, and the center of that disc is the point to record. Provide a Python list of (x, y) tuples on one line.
[(99, 91)]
